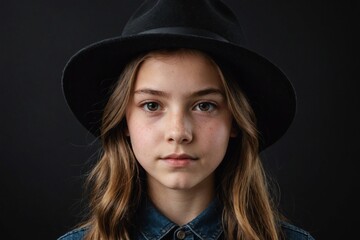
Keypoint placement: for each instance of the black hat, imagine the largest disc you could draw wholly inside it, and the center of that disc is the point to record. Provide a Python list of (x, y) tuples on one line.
[(206, 25)]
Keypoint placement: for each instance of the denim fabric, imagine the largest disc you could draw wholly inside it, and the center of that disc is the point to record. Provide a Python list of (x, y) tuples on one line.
[(294, 233), (76, 234), (152, 225)]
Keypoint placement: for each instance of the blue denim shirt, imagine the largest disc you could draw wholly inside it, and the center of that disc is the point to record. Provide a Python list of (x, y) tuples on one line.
[(152, 225)]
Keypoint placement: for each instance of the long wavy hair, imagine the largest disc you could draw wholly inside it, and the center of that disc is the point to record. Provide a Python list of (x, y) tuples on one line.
[(116, 181)]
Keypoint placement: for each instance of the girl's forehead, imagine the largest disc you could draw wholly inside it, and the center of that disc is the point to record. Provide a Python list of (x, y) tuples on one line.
[(183, 55), (178, 68)]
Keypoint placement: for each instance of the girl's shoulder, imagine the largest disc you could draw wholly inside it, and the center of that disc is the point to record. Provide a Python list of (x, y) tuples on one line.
[(292, 232), (76, 234)]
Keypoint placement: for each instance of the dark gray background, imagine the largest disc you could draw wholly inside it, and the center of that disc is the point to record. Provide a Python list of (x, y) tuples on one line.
[(45, 153)]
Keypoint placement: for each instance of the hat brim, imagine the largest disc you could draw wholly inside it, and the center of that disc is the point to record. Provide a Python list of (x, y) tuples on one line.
[(90, 72)]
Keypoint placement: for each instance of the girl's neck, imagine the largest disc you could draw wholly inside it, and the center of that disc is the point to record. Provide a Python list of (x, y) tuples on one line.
[(181, 206)]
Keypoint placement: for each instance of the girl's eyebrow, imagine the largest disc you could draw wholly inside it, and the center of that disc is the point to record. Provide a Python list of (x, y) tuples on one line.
[(207, 91), (150, 91), (203, 92)]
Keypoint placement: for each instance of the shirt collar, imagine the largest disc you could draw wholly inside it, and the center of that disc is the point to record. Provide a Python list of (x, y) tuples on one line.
[(207, 225)]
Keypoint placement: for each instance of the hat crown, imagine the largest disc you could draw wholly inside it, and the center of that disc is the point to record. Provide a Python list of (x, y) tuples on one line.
[(204, 18)]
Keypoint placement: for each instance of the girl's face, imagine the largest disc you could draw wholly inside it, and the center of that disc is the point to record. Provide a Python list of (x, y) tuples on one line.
[(178, 121)]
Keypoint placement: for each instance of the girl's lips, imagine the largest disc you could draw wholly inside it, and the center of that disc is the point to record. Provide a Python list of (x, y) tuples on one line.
[(178, 160), (181, 156)]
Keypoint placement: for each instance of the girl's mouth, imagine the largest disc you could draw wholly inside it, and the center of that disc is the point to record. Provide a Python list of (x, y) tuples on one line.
[(179, 160)]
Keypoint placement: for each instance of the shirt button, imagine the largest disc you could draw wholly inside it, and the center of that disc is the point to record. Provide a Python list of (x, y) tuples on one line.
[(180, 234)]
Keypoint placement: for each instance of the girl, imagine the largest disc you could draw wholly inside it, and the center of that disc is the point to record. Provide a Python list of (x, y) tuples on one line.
[(182, 110)]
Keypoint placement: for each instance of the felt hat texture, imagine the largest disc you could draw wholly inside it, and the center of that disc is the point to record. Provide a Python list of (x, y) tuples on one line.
[(205, 25)]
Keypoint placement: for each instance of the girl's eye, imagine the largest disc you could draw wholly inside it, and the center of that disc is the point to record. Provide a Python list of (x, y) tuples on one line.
[(205, 107), (151, 106)]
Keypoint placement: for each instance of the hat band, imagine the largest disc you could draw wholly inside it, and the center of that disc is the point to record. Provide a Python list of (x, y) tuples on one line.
[(185, 31)]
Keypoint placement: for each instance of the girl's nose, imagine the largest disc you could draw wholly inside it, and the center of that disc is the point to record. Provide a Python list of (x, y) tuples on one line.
[(179, 129)]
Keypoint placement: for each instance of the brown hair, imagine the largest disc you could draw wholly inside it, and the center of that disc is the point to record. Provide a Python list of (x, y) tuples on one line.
[(116, 184)]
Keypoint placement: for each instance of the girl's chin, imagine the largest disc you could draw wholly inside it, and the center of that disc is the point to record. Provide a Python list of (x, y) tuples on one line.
[(183, 182), (179, 185)]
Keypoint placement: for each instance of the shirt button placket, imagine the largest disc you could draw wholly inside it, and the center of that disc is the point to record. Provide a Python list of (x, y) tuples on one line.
[(180, 234)]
